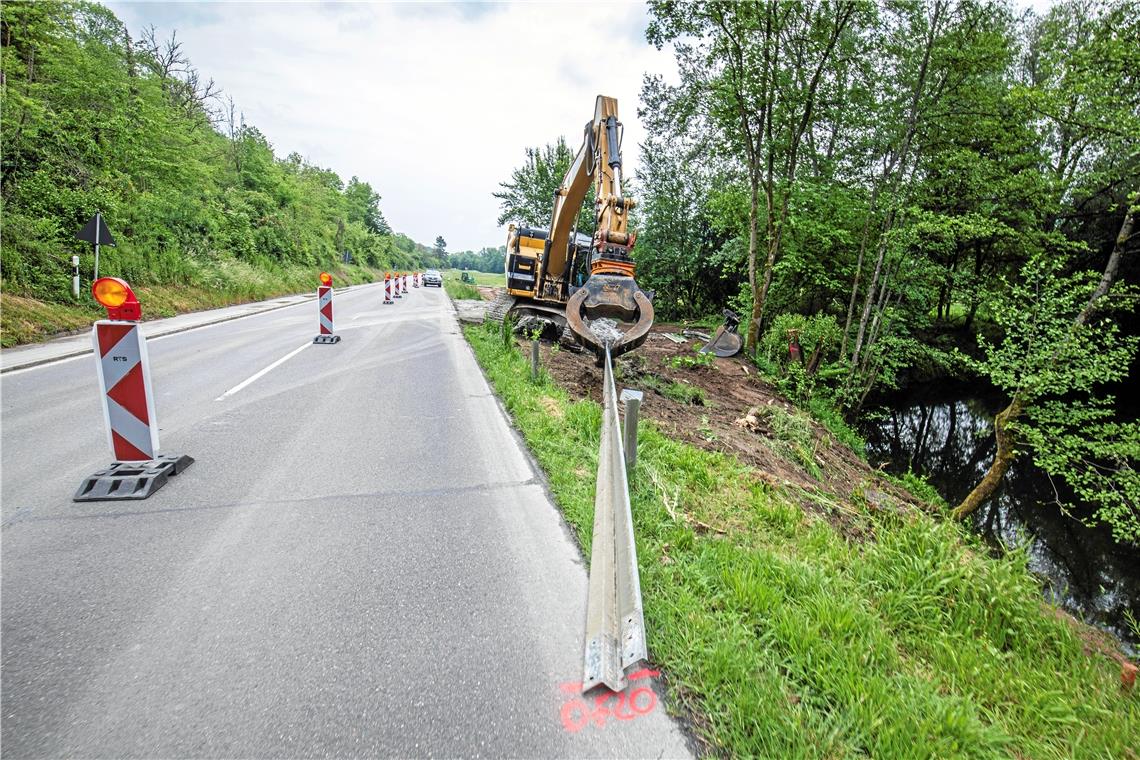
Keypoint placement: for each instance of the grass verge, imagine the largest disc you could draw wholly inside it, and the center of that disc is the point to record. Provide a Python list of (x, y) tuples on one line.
[(461, 291), (27, 320), (783, 639), (466, 291)]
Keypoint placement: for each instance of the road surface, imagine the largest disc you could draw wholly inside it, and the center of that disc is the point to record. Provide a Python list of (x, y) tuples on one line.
[(362, 561)]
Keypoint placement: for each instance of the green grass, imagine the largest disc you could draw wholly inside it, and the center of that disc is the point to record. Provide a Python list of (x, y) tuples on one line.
[(826, 412), (785, 639), (919, 486), (463, 291), (224, 283), (481, 278), (793, 437), (682, 393)]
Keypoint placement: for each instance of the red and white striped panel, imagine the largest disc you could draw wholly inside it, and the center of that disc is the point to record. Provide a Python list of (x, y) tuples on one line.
[(128, 402), (324, 299)]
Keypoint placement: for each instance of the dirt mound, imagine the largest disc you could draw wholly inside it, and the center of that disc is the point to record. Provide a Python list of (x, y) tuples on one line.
[(723, 405)]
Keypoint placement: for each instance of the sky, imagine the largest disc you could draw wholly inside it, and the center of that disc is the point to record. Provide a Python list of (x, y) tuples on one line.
[(433, 104)]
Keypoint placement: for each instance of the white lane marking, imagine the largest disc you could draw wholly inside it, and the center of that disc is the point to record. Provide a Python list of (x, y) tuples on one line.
[(82, 352), (257, 375)]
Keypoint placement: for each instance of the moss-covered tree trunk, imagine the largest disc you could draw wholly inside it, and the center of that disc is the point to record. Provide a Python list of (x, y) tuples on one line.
[(1003, 458), (1005, 437)]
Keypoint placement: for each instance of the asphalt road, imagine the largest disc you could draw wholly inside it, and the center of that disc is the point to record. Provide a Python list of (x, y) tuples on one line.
[(361, 562)]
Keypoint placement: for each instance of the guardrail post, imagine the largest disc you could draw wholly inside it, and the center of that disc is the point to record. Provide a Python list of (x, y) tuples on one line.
[(632, 400), (534, 361)]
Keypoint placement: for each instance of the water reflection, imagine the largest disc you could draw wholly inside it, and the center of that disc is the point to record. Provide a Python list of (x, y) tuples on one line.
[(945, 432)]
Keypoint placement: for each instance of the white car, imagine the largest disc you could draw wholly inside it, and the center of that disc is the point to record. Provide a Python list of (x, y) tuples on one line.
[(433, 277)]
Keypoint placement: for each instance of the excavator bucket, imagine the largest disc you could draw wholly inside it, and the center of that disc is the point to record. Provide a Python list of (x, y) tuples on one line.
[(725, 341), (608, 296)]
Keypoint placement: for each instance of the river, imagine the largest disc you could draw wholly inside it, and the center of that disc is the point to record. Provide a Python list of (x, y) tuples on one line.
[(944, 431)]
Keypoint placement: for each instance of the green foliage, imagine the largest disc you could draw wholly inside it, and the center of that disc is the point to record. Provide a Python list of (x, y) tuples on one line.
[(1053, 362), (788, 639), (95, 121), (696, 360), (818, 330), (526, 198), (485, 260)]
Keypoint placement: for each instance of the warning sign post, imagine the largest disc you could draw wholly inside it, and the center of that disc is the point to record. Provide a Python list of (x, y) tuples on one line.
[(325, 311), (128, 403)]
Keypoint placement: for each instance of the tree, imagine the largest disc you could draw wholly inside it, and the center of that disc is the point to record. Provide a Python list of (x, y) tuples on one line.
[(758, 68), (1059, 345), (1060, 341), (95, 122), (364, 207), (528, 198)]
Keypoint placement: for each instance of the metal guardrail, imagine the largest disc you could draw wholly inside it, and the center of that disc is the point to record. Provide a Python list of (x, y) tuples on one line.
[(615, 623)]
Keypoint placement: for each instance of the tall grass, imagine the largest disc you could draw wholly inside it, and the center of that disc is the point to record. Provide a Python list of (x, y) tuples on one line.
[(459, 290), (786, 639)]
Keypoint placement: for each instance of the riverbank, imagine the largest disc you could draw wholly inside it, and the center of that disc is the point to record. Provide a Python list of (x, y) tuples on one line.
[(781, 632), (944, 432)]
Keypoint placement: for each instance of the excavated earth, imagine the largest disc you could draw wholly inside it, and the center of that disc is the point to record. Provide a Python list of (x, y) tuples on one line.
[(733, 415), (733, 411)]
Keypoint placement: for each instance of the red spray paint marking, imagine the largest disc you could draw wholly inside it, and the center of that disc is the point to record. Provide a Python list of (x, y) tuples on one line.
[(577, 713)]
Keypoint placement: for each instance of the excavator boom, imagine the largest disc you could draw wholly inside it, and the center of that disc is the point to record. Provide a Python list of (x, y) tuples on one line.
[(546, 268)]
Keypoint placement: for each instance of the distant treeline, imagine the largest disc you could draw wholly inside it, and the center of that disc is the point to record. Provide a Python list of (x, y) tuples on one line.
[(94, 120), (486, 260)]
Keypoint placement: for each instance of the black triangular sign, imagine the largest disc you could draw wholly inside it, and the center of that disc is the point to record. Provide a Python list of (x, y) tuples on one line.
[(96, 224)]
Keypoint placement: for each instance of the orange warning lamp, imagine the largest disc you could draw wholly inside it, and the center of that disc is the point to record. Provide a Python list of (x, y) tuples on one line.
[(326, 279), (116, 295)]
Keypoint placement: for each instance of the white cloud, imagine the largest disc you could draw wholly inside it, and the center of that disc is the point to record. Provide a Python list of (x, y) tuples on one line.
[(433, 104)]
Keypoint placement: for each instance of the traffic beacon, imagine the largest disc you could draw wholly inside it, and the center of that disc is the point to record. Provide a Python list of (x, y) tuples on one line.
[(128, 402), (388, 288), (324, 309)]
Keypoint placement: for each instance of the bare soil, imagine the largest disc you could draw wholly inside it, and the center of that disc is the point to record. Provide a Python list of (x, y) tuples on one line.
[(734, 417)]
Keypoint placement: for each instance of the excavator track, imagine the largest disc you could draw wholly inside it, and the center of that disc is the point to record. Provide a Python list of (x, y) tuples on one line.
[(499, 308)]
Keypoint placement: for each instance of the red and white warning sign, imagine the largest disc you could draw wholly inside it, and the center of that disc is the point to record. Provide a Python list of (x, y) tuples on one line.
[(324, 299), (128, 401), (325, 311)]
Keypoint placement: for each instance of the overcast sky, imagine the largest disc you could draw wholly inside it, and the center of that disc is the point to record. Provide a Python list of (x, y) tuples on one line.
[(432, 104)]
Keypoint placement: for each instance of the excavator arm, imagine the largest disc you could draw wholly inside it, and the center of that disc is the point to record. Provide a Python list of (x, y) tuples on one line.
[(611, 290)]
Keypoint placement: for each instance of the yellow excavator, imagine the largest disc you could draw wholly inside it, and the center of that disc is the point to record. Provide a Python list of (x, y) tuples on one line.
[(570, 280)]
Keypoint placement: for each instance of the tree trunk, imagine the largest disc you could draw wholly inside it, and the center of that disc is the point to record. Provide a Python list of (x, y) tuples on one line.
[(859, 269), (1110, 269), (1003, 458), (757, 305)]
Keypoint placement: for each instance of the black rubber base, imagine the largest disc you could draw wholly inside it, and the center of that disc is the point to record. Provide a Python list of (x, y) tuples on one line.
[(131, 480), (327, 339)]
